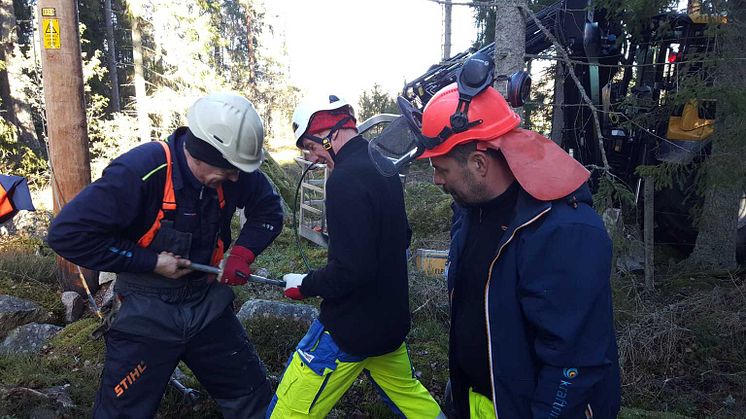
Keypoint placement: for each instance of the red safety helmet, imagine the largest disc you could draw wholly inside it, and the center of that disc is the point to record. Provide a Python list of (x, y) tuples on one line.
[(539, 165), (489, 117)]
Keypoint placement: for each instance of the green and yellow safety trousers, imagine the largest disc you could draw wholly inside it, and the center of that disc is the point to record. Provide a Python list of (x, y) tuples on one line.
[(480, 407), (319, 373)]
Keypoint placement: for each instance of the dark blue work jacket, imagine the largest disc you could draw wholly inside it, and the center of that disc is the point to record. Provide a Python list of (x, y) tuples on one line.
[(100, 227), (551, 341)]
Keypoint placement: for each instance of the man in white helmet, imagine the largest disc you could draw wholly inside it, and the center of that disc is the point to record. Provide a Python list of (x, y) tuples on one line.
[(156, 209), (364, 315)]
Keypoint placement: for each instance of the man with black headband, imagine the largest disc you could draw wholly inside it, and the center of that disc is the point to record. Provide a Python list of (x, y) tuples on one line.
[(155, 210), (364, 315)]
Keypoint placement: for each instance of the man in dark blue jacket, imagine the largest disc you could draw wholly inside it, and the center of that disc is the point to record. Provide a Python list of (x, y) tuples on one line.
[(532, 332), (156, 209)]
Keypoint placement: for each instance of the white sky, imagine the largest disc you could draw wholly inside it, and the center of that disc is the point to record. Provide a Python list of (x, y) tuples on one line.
[(345, 46)]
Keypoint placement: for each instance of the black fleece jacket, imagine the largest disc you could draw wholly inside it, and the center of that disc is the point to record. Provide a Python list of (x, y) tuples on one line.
[(364, 283)]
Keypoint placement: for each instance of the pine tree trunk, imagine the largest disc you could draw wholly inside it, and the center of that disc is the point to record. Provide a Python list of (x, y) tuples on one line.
[(510, 40), (141, 96), (558, 115), (715, 248), (112, 53)]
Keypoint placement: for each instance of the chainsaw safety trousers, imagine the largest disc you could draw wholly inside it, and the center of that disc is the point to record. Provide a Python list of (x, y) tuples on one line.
[(480, 406), (137, 370), (318, 373)]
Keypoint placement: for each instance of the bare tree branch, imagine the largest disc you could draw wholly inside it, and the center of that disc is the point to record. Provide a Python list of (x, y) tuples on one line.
[(561, 50)]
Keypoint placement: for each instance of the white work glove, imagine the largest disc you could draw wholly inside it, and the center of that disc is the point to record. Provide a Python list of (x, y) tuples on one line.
[(292, 282)]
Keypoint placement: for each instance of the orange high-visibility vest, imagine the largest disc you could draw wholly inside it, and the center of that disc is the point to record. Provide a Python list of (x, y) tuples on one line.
[(169, 204)]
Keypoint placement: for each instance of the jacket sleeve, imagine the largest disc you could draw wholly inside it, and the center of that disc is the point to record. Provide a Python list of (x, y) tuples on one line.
[(263, 211), (352, 233), (565, 295), (90, 230)]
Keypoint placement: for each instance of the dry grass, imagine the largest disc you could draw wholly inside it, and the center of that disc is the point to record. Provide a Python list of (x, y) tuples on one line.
[(683, 349)]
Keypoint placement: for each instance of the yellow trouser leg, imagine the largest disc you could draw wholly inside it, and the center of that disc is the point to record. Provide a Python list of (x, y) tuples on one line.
[(392, 373), (480, 407), (304, 394)]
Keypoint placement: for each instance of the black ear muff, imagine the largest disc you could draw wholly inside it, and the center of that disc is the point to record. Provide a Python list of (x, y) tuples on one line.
[(519, 89), (475, 75)]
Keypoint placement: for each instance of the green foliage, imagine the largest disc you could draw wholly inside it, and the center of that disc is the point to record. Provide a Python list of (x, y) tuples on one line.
[(429, 212), (275, 341), (612, 194), (27, 271), (670, 175), (283, 255), (375, 101), (278, 177), (635, 14), (17, 158), (484, 20), (75, 340), (539, 109), (626, 413)]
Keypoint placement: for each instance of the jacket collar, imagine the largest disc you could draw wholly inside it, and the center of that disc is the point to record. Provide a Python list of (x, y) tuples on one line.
[(526, 208), (181, 173), (354, 144)]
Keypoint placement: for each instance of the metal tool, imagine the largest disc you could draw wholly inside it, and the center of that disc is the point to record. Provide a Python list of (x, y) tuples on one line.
[(253, 278), (189, 395)]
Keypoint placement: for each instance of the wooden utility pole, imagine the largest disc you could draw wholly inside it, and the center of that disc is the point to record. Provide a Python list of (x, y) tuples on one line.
[(447, 12), (62, 71)]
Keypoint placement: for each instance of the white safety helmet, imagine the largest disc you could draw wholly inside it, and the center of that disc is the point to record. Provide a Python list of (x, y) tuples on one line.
[(305, 110), (228, 122)]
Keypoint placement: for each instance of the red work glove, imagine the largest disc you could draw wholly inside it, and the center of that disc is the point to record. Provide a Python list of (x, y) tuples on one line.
[(292, 284), (237, 266)]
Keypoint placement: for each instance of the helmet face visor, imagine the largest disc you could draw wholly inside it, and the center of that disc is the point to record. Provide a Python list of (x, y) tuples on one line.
[(402, 141)]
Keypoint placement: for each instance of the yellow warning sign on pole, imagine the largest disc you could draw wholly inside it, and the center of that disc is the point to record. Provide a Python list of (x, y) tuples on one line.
[(51, 33)]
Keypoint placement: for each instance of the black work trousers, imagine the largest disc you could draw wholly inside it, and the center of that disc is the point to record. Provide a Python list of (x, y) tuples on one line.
[(137, 370)]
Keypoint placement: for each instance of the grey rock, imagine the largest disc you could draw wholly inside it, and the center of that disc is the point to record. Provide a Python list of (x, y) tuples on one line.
[(633, 258), (302, 313), (74, 306), (28, 223), (29, 338), (53, 402), (179, 375), (17, 311), (109, 293), (612, 218), (104, 277)]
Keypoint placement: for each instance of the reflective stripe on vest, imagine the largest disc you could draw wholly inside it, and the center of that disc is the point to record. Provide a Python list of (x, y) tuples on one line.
[(169, 204)]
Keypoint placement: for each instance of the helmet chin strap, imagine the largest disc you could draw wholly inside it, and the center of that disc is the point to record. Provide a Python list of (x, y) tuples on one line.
[(326, 142)]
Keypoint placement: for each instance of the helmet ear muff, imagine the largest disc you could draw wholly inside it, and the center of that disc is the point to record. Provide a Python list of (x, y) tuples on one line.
[(518, 89)]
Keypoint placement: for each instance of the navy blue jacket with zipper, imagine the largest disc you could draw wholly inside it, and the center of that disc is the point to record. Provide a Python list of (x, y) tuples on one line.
[(100, 227), (551, 339)]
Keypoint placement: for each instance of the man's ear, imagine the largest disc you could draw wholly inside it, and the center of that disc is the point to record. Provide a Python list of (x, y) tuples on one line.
[(478, 163)]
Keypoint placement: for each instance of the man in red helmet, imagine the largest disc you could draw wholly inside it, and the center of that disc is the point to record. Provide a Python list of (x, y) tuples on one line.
[(364, 316), (532, 330)]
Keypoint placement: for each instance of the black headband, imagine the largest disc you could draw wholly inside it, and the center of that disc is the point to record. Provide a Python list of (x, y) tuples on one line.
[(202, 150)]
